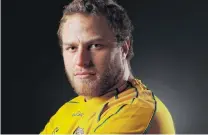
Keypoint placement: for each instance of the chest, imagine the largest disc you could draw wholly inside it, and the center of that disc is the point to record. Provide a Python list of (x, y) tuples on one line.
[(92, 120)]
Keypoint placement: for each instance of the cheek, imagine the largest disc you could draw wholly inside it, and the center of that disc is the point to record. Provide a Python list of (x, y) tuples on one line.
[(100, 60), (68, 61), (103, 59)]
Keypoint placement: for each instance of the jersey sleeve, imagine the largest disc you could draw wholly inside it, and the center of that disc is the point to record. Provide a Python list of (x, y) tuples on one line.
[(162, 122), (50, 127)]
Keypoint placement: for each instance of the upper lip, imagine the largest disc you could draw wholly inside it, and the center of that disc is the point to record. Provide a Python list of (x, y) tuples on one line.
[(84, 73)]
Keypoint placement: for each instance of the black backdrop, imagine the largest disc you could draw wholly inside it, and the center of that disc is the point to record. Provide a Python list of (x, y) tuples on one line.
[(170, 44)]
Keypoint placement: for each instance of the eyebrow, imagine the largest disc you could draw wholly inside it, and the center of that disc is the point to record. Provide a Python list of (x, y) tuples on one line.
[(91, 40)]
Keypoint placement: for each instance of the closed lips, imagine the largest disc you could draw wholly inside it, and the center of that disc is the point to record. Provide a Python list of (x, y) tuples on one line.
[(84, 73)]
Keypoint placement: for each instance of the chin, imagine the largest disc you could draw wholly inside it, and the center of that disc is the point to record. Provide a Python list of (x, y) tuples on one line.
[(87, 90), (88, 93)]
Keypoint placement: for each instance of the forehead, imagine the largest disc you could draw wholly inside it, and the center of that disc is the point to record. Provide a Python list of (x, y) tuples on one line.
[(82, 27)]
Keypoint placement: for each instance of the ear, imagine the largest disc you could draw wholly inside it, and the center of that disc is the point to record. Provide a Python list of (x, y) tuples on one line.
[(125, 48)]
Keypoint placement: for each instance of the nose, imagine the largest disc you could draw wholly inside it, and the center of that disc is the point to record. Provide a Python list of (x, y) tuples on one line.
[(83, 58)]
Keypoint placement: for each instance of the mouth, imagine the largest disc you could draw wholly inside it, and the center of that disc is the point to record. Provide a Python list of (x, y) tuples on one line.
[(83, 75)]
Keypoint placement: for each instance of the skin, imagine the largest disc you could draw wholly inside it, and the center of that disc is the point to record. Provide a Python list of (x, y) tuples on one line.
[(89, 46), (94, 63)]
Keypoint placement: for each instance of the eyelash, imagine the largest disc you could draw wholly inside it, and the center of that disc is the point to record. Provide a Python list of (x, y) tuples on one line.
[(99, 45), (70, 48), (89, 47)]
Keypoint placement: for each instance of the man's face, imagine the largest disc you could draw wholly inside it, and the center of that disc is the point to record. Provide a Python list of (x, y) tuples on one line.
[(92, 59)]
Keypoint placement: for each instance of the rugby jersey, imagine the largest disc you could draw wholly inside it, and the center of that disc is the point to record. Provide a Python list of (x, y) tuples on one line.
[(117, 112)]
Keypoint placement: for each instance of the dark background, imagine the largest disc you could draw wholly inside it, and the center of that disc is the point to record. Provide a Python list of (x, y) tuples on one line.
[(170, 44)]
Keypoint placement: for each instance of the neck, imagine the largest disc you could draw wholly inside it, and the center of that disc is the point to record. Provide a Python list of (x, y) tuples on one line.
[(121, 84)]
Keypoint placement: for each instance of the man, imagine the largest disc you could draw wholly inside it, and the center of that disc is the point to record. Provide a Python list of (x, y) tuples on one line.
[(96, 41)]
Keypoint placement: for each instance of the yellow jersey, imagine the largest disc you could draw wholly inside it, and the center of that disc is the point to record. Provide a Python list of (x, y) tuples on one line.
[(132, 111)]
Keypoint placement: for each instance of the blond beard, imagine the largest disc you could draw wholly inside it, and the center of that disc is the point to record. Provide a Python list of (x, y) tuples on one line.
[(95, 88)]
